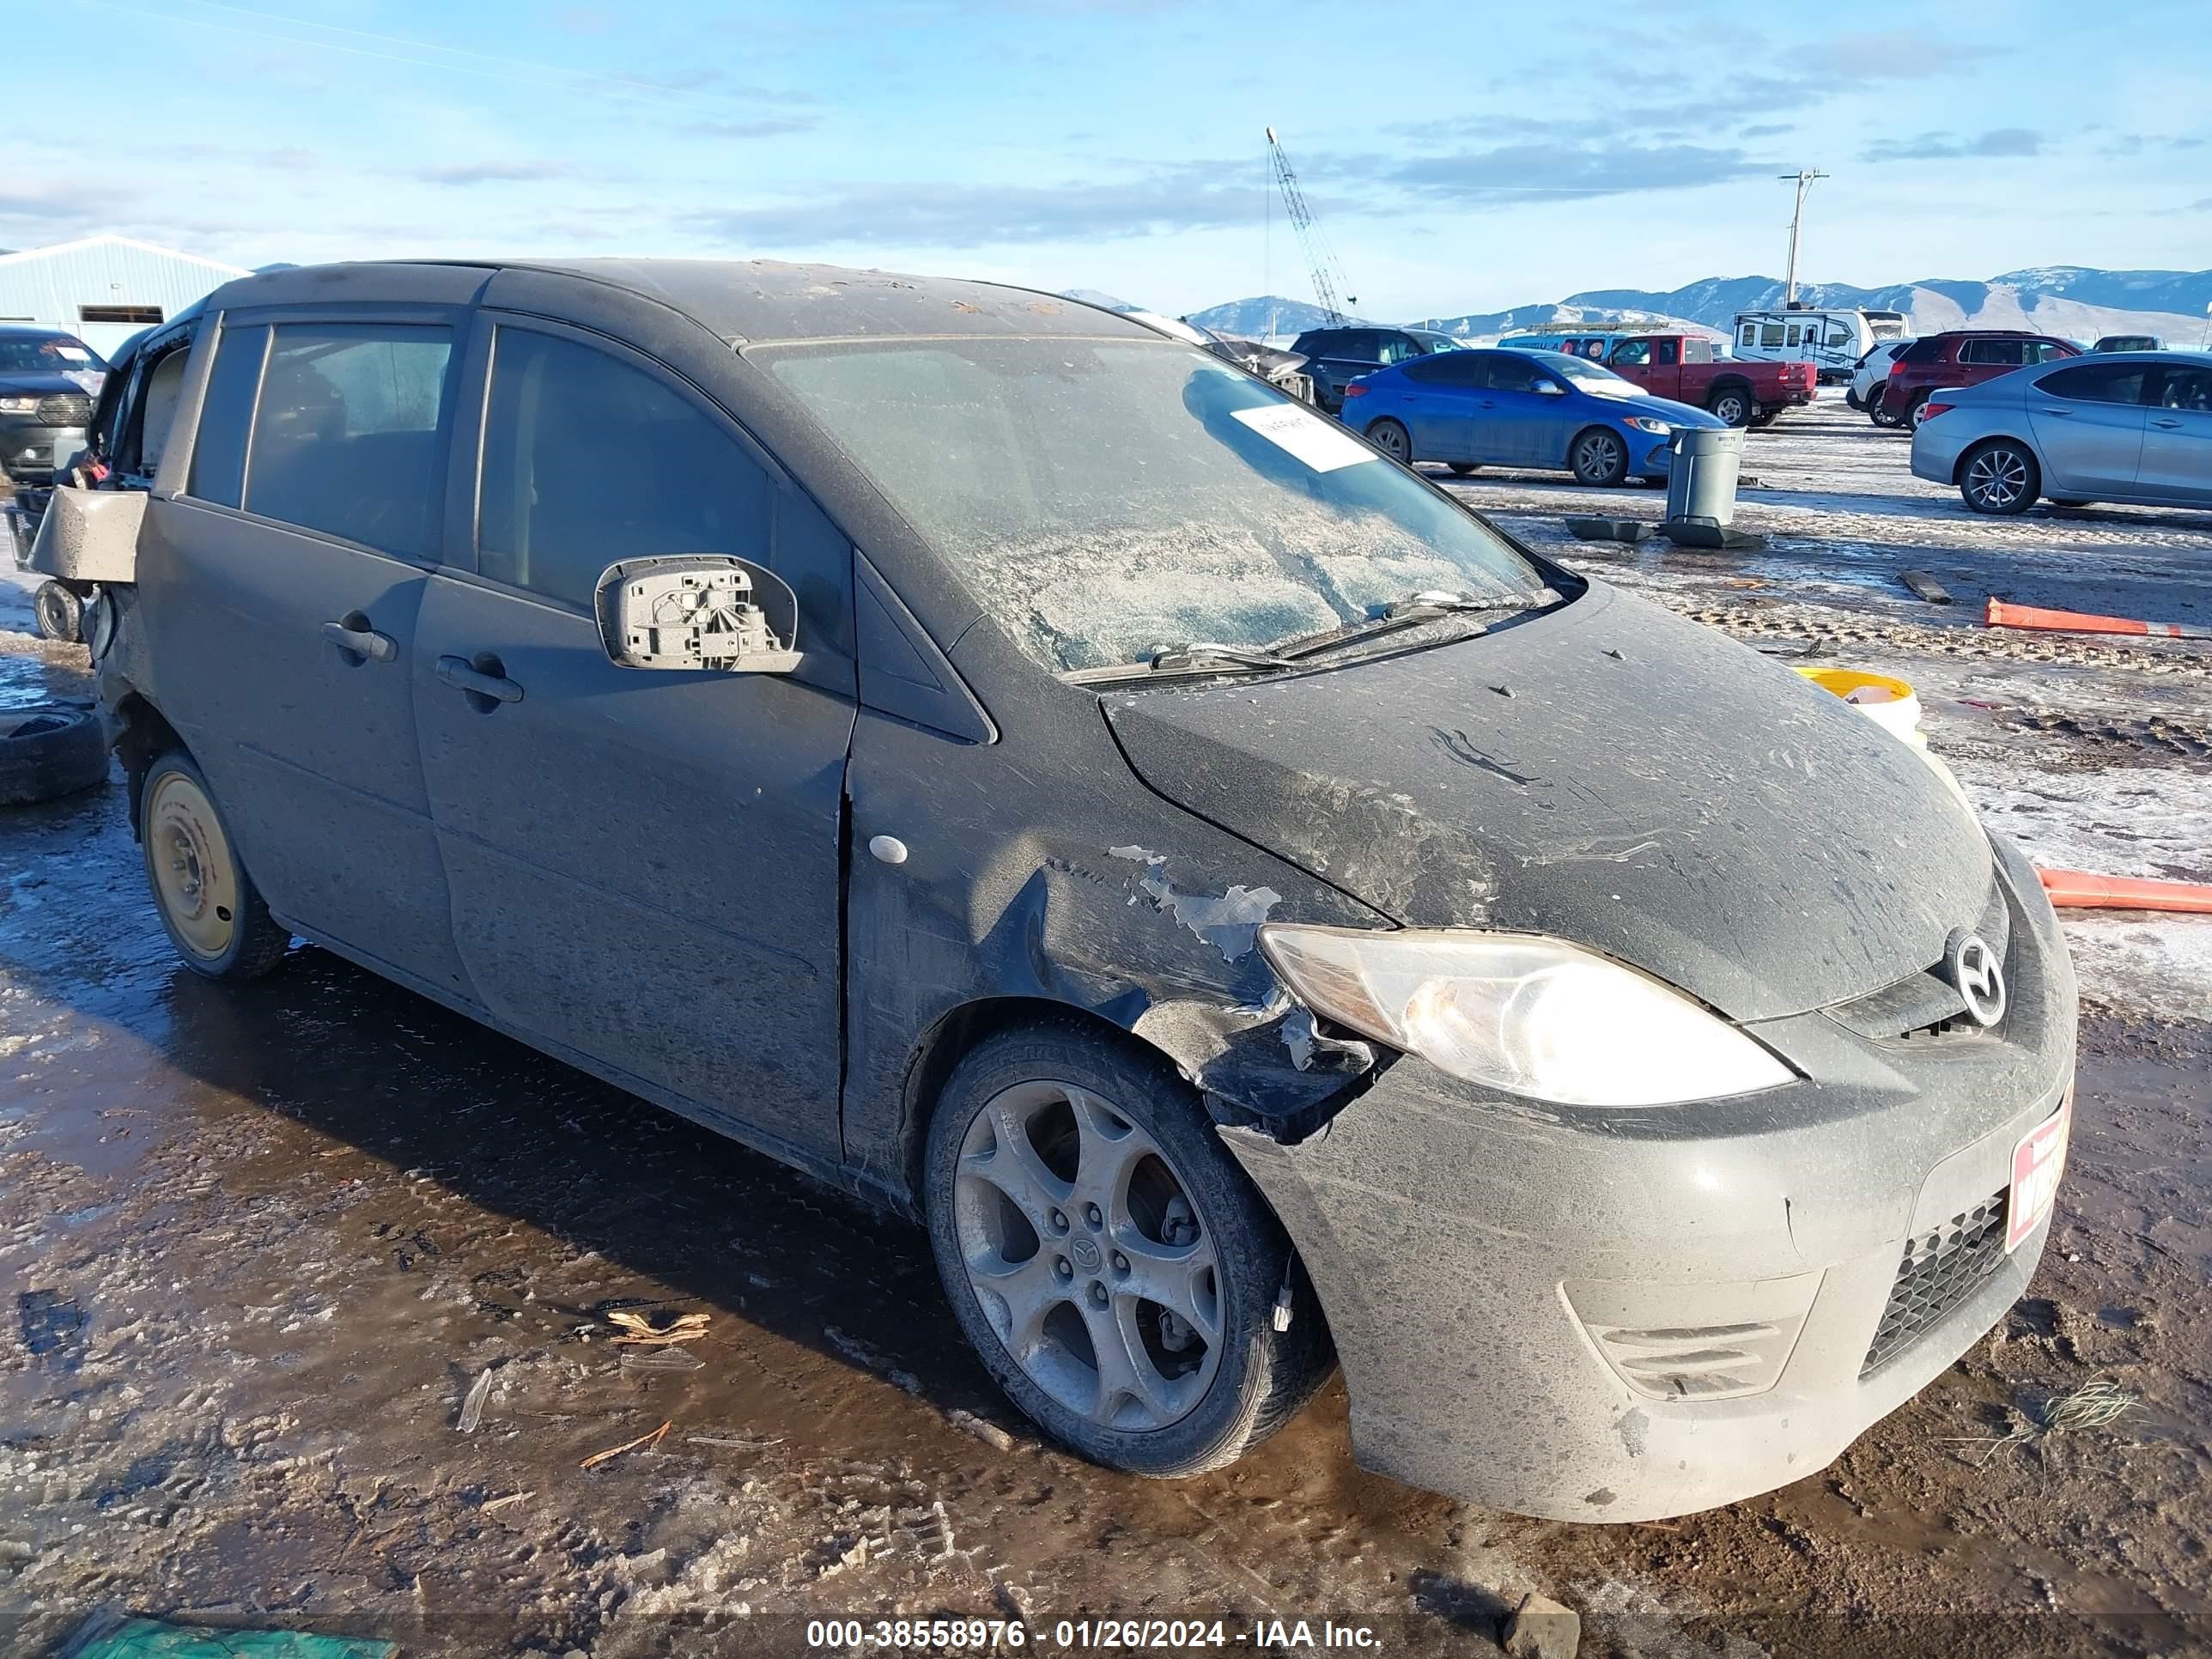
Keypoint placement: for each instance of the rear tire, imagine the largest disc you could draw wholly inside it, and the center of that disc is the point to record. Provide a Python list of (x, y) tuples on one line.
[(1599, 457), (1878, 412), (60, 613), (1392, 440), (208, 906), (1917, 412), (1732, 403), (1462, 469), (1066, 1170), (2000, 477)]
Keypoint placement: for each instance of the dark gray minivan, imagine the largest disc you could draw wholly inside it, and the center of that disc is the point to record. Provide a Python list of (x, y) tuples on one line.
[(1035, 775)]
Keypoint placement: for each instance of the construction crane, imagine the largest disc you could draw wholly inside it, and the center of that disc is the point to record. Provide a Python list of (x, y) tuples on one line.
[(1321, 259)]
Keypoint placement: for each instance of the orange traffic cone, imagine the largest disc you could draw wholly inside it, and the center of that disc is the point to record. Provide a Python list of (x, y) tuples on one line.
[(2001, 614), (2082, 889)]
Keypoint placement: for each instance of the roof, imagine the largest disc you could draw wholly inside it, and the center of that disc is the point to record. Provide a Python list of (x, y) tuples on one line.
[(36, 330), (752, 300), (106, 239)]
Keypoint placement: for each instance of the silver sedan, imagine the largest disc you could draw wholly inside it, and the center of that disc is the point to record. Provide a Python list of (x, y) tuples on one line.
[(2131, 426)]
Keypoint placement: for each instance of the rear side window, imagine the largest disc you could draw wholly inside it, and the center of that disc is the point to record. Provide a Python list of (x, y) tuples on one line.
[(553, 513), (345, 432), (2049, 351), (1993, 352), (218, 472), (2098, 383), (1922, 351), (1446, 368)]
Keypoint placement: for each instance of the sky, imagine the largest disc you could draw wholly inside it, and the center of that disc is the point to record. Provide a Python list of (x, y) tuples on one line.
[(1462, 157)]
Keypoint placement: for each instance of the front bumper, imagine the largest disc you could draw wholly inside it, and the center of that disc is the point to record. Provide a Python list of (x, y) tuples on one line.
[(28, 450), (1658, 461), (1482, 1262)]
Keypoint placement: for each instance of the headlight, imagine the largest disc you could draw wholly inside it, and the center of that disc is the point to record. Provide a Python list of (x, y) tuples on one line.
[(18, 405), (1645, 424), (1531, 1016)]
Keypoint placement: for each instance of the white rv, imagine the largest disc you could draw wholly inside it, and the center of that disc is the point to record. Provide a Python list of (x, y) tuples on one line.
[(1832, 341)]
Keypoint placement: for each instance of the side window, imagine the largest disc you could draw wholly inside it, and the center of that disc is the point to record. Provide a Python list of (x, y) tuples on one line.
[(1633, 353), (1791, 337), (1770, 334), (1446, 368), (1393, 349), (552, 512), (2098, 383), (1699, 352), (2047, 351), (2186, 388), (345, 432), (1749, 335), (2003, 352), (218, 471), (1666, 353), (1506, 373)]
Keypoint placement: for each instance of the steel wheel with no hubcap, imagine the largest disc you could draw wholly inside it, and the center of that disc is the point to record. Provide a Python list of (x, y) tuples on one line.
[(1088, 1257), (191, 864)]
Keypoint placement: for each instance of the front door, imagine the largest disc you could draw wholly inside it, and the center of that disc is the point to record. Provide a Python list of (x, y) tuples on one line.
[(645, 864), (2088, 424), (280, 589), (2177, 453), (1526, 425)]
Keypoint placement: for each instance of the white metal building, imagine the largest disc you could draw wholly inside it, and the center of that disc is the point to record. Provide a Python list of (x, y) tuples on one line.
[(104, 289)]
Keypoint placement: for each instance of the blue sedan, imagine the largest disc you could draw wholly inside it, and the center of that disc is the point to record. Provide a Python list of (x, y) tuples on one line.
[(1530, 409)]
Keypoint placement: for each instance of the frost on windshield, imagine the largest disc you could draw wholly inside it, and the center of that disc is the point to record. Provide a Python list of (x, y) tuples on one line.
[(1105, 498)]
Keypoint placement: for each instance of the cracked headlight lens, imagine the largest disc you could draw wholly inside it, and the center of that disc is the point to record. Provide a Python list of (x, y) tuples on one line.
[(1536, 1017)]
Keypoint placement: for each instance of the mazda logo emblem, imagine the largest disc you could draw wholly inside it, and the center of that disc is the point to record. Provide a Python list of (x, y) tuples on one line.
[(1979, 977)]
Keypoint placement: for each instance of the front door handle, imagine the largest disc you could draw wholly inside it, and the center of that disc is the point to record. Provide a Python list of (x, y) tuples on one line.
[(2049, 410), (2166, 426), (356, 638), (478, 682)]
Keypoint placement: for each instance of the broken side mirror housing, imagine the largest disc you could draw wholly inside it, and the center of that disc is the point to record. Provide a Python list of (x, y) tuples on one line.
[(698, 610)]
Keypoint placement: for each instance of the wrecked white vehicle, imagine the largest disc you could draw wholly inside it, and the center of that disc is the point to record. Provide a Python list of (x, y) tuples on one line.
[(1031, 773)]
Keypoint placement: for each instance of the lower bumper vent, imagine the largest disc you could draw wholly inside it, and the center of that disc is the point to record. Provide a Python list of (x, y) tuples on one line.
[(1941, 1270)]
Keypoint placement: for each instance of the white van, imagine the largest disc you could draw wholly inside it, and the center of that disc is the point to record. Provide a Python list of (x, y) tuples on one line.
[(1832, 341)]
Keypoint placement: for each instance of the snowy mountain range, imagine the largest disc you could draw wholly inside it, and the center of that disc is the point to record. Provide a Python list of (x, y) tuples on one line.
[(2074, 301)]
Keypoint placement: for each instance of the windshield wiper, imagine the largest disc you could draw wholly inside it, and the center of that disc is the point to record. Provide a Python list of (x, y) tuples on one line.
[(1413, 608), (1198, 657)]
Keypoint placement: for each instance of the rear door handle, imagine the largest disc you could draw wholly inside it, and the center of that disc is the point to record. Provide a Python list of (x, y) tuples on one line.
[(355, 636), (464, 676), (2050, 409)]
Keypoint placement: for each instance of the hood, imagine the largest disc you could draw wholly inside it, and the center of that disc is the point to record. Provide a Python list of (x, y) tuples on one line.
[(1612, 775), (1641, 402), (39, 383)]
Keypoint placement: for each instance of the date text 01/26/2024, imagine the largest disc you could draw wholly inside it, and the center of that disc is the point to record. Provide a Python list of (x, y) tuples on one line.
[(1072, 1635)]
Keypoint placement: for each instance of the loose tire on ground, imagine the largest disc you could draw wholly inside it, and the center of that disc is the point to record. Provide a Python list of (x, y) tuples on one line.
[(2000, 477), (1037, 1127), (1392, 440), (50, 750), (208, 906), (1598, 456)]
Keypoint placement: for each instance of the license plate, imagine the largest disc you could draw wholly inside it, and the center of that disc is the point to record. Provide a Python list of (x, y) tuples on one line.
[(2037, 1162)]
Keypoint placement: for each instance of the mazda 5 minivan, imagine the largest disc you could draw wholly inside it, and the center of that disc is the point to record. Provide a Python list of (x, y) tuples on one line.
[(1033, 774)]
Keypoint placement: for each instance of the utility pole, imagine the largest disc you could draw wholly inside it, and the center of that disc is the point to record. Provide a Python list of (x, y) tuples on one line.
[(1802, 179)]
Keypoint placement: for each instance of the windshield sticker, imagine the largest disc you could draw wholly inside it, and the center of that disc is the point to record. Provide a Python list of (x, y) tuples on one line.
[(1319, 445)]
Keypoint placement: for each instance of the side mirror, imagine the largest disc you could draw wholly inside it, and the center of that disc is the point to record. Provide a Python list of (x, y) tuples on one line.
[(1550, 389), (698, 610)]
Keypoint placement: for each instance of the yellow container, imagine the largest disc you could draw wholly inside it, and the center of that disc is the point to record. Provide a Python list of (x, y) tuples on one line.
[(1889, 704)]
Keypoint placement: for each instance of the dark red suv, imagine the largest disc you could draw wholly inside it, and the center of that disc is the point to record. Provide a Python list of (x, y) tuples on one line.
[(1964, 356)]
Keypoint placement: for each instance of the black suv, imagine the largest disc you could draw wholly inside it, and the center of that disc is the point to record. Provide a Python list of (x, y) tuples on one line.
[(1336, 356), (47, 380)]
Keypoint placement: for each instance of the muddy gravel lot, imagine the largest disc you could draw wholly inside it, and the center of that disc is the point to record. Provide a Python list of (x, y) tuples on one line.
[(264, 1244)]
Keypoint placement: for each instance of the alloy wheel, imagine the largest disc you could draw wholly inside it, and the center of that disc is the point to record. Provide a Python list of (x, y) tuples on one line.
[(1598, 457), (1996, 478), (1390, 438), (1088, 1257)]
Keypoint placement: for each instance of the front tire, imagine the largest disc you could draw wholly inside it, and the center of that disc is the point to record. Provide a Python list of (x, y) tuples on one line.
[(208, 906), (2000, 477), (1599, 457), (1392, 440), (1116, 1270)]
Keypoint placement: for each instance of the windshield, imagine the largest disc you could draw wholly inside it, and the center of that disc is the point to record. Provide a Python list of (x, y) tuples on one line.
[(1105, 498), (1591, 377), (54, 353)]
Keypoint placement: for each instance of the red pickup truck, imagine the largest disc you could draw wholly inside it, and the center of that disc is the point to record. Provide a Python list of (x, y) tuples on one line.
[(1684, 367)]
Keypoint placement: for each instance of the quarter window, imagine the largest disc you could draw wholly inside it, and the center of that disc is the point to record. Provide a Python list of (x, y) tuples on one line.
[(588, 461), (218, 469), (345, 432)]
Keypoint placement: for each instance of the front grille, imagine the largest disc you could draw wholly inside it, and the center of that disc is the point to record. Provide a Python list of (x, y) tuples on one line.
[(1940, 1271), (64, 409)]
